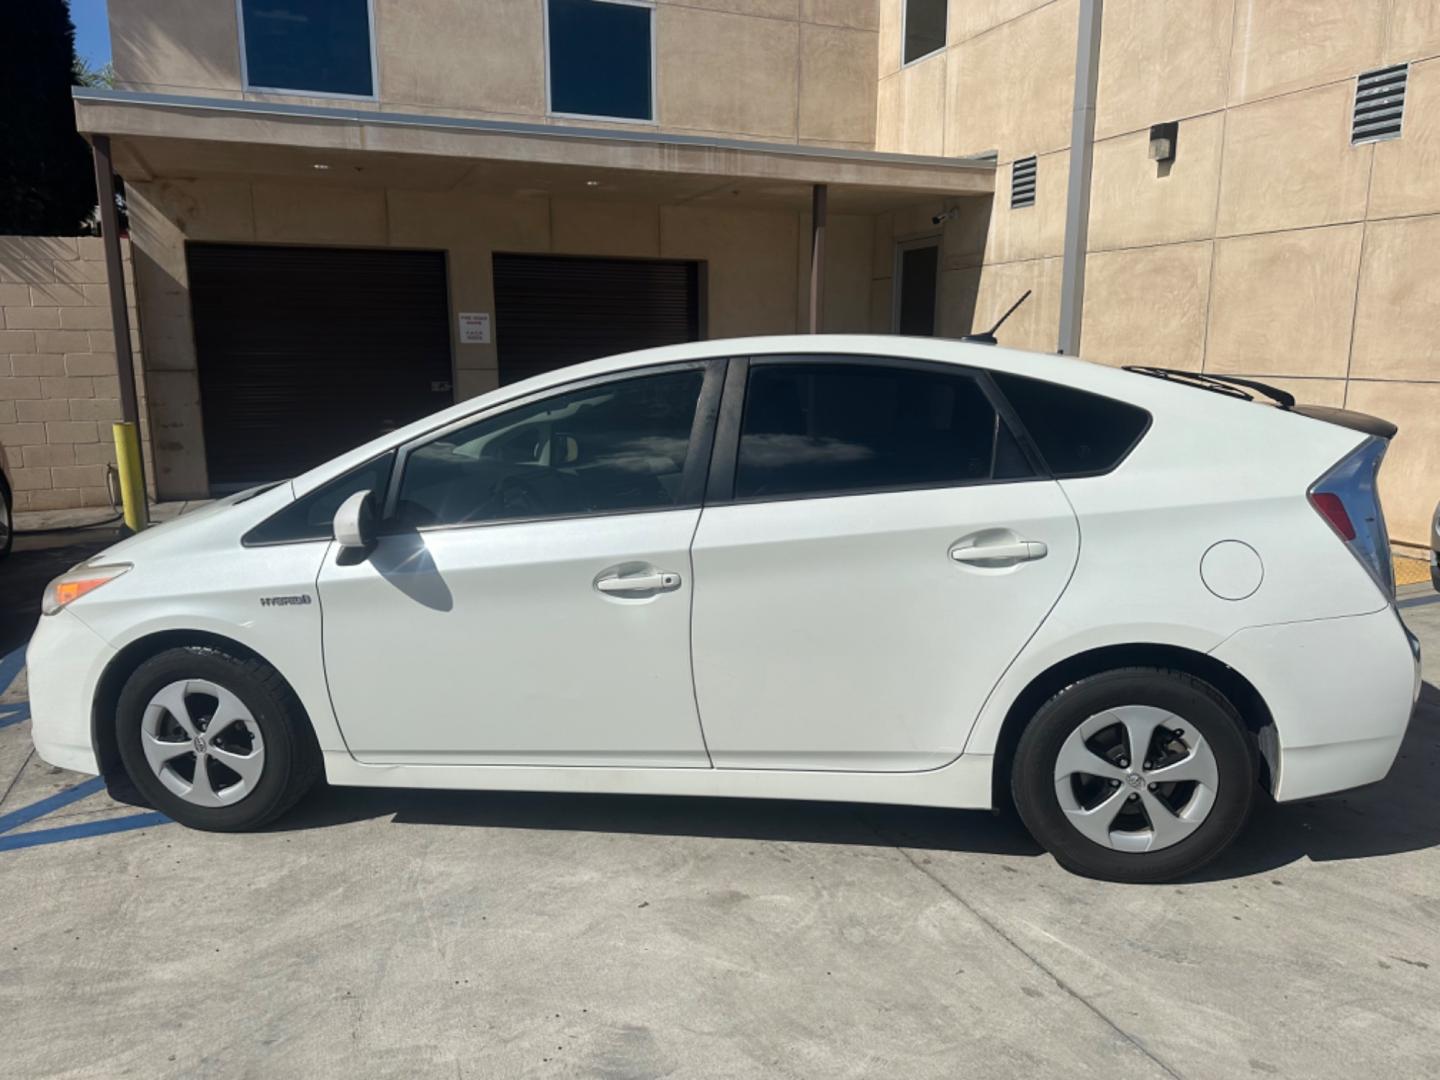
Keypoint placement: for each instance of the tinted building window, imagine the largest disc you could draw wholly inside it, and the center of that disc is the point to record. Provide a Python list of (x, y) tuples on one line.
[(812, 429), (613, 448), (924, 27), (316, 45), (1077, 433), (600, 58)]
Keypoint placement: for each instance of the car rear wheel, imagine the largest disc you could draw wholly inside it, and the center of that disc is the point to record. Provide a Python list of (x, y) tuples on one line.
[(215, 741), (1138, 775)]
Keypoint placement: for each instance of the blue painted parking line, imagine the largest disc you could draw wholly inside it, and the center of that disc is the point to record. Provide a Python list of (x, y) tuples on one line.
[(10, 667), (14, 712), (27, 814), (85, 828)]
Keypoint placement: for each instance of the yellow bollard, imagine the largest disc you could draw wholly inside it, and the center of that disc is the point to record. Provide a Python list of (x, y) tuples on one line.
[(132, 478)]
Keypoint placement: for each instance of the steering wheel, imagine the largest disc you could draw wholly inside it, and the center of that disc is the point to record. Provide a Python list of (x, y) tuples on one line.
[(517, 498)]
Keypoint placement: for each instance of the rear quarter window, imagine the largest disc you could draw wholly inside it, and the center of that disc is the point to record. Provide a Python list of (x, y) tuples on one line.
[(1077, 433)]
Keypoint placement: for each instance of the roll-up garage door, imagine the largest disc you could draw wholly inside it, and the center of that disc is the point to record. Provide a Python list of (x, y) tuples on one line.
[(555, 310), (306, 352)]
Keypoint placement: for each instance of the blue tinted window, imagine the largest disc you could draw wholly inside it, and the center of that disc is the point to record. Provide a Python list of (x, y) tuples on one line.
[(320, 45), (600, 58)]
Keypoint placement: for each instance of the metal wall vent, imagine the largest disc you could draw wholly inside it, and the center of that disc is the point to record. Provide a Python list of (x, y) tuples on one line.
[(1022, 183), (1379, 104)]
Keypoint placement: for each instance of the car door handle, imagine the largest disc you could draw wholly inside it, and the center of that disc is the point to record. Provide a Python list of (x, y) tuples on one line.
[(660, 581), (1011, 550)]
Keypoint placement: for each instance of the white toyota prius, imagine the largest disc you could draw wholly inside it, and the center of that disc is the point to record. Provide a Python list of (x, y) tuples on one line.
[(828, 567)]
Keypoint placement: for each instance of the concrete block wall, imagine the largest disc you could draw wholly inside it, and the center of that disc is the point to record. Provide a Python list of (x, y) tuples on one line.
[(59, 393)]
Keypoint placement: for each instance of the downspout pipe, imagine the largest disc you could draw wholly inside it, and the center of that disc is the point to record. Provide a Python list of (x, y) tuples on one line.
[(1082, 152)]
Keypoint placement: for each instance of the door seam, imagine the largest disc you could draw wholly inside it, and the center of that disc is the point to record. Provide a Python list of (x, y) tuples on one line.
[(690, 643)]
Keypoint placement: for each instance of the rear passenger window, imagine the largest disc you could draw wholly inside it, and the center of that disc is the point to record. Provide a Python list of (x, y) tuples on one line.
[(1077, 433), (817, 429)]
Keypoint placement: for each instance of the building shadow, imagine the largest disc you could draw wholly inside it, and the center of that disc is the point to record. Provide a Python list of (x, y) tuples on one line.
[(1399, 814)]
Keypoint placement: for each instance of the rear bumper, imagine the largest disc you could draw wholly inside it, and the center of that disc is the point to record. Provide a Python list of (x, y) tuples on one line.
[(1341, 692), (63, 664)]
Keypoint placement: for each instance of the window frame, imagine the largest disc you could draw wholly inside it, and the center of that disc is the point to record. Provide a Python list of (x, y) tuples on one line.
[(248, 87), (725, 455), (944, 38), (697, 459), (550, 110)]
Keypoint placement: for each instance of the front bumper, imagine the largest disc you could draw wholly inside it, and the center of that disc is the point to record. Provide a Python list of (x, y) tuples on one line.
[(64, 663), (1341, 692)]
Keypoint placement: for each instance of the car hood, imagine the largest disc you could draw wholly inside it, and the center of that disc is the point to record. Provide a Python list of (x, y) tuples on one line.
[(260, 501)]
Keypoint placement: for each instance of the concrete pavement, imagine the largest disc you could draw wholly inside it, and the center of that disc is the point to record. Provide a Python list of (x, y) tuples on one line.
[(480, 935)]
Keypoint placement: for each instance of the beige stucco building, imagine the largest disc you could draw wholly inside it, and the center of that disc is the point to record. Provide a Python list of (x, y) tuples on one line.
[(620, 172)]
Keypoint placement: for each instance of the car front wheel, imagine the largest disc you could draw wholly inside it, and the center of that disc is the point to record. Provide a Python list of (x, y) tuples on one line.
[(215, 741), (1136, 775)]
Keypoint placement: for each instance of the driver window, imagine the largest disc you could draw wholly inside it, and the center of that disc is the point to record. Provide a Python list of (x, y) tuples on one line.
[(614, 447)]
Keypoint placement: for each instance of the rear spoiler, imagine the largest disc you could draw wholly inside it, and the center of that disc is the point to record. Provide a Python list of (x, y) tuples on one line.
[(1346, 418), (1236, 387)]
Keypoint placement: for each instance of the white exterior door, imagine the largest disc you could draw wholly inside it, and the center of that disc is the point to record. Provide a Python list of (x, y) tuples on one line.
[(887, 553), (529, 601)]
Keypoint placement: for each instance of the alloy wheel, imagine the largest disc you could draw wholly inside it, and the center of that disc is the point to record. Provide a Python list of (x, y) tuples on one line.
[(202, 743), (1136, 778)]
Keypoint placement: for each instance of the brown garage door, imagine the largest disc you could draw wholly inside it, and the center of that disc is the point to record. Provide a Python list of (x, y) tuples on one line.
[(553, 310), (306, 352)]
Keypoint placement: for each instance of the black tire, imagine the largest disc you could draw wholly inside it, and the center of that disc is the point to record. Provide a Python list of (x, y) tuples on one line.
[(292, 760), (1201, 708)]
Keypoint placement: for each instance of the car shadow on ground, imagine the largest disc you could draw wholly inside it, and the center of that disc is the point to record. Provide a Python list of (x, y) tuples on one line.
[(1399, 814)]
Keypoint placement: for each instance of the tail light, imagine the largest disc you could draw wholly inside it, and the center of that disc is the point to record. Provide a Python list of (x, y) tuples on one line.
[(1348, 498)]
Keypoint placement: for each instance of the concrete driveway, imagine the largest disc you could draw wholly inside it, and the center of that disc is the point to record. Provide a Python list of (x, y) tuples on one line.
[(478, 935)]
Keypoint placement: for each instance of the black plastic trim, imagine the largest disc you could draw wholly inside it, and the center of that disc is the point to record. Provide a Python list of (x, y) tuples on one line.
[(725, 454)]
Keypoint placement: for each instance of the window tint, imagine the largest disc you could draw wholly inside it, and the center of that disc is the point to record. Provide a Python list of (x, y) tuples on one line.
[(1077, 433), (600, 57), (319, 45), (924, 27), (813, 429), (312, 517), (616, 447)]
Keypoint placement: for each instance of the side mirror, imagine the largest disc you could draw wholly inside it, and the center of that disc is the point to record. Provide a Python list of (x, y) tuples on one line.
[(355, 522)]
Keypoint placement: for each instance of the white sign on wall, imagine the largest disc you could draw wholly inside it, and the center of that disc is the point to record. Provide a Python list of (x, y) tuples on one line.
[(474, 328)]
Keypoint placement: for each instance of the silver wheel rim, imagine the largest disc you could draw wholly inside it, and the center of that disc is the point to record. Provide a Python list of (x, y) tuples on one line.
[(1136, 778), (4, 520), (202, 743)]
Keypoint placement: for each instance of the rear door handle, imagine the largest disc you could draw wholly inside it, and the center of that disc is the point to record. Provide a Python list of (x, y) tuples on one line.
[(1009, 551), (660, 581)]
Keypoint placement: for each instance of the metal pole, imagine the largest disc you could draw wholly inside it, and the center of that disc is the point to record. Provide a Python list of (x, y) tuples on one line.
[(1082, 148), (819, 200), (128, 451)]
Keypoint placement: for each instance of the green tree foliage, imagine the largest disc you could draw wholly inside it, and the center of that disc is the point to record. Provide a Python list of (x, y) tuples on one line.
[(47, 179)]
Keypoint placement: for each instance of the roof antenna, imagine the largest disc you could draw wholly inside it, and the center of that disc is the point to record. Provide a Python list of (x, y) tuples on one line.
[(988, 337)]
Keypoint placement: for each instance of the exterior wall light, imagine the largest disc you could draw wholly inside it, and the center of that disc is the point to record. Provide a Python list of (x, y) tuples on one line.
[(1163, 138)]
